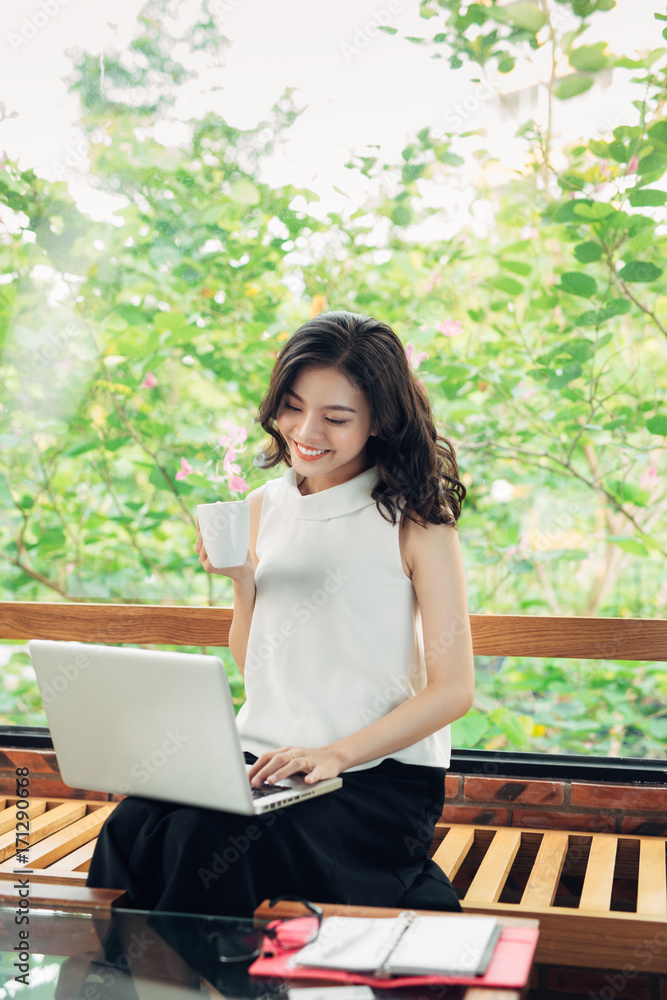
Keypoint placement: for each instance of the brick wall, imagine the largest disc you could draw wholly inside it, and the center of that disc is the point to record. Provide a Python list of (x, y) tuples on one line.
[(477, 799), (556, 805)]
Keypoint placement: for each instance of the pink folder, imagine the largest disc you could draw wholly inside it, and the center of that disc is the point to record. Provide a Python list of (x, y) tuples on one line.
[(509, 966)]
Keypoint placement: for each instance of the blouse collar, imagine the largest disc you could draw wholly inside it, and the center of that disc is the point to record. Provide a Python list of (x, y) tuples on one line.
[(336, 500)]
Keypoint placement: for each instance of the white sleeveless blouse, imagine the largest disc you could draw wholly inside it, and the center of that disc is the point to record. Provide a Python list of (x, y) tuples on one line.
[(336, 639)]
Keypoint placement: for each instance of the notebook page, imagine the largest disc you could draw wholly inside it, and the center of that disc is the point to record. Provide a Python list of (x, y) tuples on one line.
[(444, 944), (358, 944)]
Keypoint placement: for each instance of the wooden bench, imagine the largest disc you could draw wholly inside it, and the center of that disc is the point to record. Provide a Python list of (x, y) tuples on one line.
[(591, 930)]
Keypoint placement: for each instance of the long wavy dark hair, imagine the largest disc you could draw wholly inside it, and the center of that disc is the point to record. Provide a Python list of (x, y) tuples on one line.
[(417, 466)]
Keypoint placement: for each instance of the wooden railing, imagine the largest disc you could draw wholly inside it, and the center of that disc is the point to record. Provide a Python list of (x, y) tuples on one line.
[(492, 635)]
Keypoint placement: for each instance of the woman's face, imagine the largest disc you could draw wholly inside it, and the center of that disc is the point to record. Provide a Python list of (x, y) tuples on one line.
[(324, 412)]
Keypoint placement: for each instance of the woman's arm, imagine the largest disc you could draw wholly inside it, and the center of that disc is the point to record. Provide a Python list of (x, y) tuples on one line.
[(244, 605), (438, 577)]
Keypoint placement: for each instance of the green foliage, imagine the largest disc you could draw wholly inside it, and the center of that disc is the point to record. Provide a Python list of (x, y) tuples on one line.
[(137, 350)]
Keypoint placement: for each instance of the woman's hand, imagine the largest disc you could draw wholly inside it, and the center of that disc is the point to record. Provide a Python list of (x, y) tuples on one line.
[(235, 572), (317, 763)]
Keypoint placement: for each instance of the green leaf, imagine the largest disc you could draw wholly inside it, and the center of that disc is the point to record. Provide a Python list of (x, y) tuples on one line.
[(244, 192), (196, 479), (618, 151), (594, 212), (573, 85), (567, 212), (616, 307), (510, 724), (587, 252), (401, 215), (572, 181), (157, 479), (628, 544), (81, 449), (628, 492), (508, 285), (657, 424), (588, 58), (567, 374), (524, 15), (577, 283), (640, 270), (652, 164), (599, 148), (658, 132), (517, 266), (644, 197), (469, 730)]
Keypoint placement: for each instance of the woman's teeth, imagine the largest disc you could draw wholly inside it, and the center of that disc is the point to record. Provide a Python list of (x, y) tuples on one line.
[(309, 451)]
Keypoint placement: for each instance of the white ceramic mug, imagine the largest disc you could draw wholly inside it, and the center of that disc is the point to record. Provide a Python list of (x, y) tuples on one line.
[(225, 528)]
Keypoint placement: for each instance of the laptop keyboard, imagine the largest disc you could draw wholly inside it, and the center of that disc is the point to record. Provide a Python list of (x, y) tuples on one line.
[(258, 793)]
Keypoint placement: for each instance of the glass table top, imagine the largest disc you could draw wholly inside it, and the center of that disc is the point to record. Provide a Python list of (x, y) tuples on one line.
[(122, 954)]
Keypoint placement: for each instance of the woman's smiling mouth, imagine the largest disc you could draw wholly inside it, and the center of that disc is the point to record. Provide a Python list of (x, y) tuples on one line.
[(310, 453)]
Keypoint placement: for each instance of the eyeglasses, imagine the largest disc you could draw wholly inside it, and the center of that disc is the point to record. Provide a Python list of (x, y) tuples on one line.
[(243, 943)]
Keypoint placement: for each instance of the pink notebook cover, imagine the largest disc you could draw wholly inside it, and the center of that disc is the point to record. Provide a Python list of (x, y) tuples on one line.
[(509, 966)]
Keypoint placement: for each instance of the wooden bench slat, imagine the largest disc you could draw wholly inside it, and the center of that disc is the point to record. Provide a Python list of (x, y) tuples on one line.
[(76, 862), (8, 816), (599, 878), (454, 848), (488, 883), (543, 880), (46, 823), (66, 840), (652, 882)]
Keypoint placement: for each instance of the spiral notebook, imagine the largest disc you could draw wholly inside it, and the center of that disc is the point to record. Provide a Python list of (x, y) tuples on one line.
[(409, 944)]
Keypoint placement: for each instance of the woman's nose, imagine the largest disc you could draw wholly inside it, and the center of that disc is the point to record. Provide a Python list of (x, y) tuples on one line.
[(308, 431)]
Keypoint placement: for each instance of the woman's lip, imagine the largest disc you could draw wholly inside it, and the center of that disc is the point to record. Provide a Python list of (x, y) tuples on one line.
[(309, 458)]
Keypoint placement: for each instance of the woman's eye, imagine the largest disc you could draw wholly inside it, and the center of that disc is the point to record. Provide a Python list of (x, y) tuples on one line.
[(297, 410)]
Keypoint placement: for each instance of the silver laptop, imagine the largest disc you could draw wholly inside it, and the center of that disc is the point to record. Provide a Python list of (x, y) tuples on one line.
[(153, 724)]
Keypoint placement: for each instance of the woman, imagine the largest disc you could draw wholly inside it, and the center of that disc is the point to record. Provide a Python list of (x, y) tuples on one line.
[(329, 610)]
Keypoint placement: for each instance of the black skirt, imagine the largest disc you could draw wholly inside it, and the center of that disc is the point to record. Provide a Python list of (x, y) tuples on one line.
[(363, 844)]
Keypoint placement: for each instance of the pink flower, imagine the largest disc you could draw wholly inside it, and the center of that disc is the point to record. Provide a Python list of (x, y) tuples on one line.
[(649, 478), (184, 469), (632, 165), (450, 328), (149, 382), (69, 567), (235, 435), (415, 361), (237, 484)]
